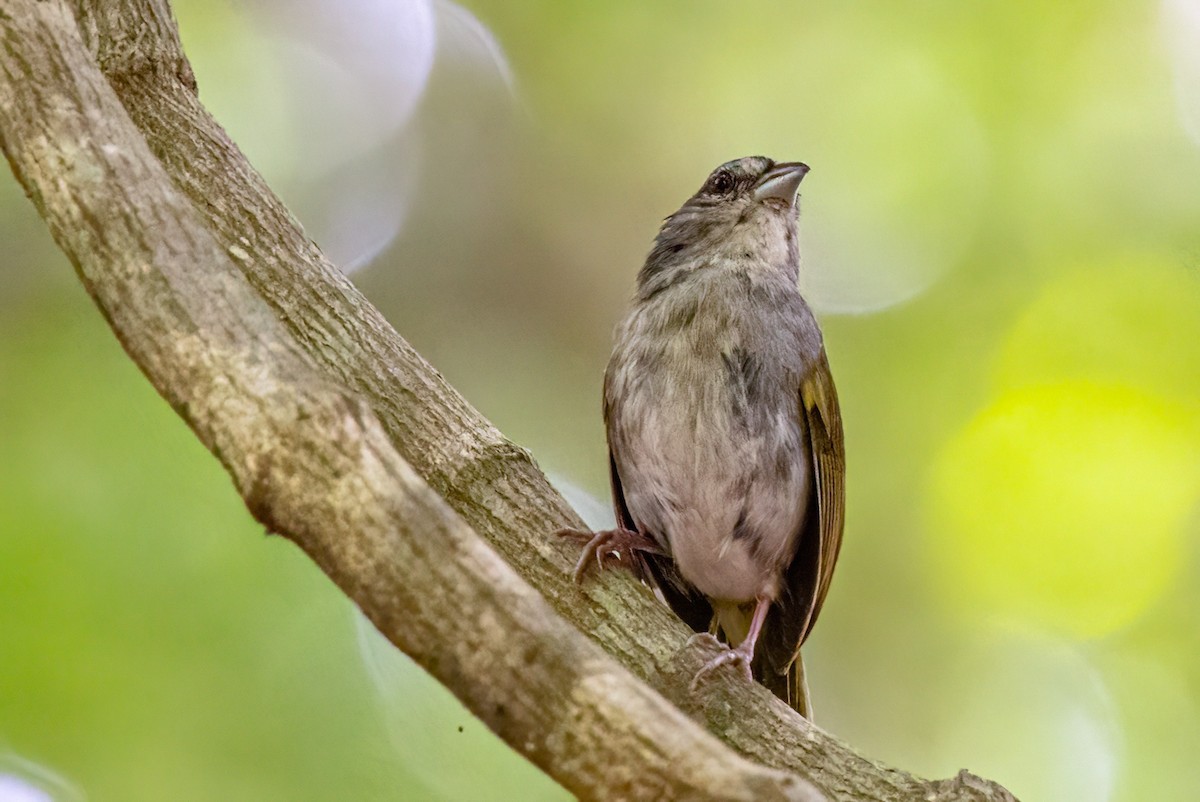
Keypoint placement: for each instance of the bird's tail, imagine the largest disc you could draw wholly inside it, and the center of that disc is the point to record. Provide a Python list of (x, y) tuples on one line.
[(792, 687), (798, 697)]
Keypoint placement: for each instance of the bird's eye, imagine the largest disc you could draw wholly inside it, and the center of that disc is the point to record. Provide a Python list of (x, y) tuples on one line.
[(722, 182)]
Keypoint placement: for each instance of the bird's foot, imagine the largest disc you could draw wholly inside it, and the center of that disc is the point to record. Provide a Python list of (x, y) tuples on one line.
[(740, 656), (619, 546)]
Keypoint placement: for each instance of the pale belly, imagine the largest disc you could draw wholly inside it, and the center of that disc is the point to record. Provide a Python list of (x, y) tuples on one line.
[(725, 491)]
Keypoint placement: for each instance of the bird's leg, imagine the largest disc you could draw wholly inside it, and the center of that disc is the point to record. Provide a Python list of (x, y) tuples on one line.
[(743, 653), (622, 546)]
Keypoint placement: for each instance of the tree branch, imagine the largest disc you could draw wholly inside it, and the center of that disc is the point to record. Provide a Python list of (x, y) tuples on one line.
[(342, 438)]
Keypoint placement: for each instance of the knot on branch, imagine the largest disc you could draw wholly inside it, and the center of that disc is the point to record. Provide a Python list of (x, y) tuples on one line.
[(968, 787), (130, 39)]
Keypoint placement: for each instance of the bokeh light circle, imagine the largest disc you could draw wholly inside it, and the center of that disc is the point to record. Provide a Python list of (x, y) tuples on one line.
[(1130, 318), (879, 227), (1181, 30), (1064, 506), (1159, 718), (23, 780), (1032, 712)]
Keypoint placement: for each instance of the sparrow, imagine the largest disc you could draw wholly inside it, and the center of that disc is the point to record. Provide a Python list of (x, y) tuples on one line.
[(725, 442)]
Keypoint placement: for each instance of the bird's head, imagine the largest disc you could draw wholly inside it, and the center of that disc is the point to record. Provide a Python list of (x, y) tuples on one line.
[(745, 214)]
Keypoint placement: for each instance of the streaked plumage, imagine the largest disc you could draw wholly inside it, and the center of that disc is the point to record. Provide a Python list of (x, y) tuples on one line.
[(724, 432)]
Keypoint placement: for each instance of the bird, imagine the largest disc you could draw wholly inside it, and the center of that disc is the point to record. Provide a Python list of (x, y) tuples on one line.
[(725, 440)]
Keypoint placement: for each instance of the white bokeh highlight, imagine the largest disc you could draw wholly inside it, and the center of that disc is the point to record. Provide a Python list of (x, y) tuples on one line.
[(1181, 29), (23, 780), (467, 41), (385, 48), (879, 226), (356, 74), (1032, 711)]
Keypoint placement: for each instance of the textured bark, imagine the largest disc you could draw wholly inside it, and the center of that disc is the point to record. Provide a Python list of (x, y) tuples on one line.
[(342, 438)]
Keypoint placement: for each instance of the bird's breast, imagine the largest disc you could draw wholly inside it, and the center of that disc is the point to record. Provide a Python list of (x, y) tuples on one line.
[(706, 432)]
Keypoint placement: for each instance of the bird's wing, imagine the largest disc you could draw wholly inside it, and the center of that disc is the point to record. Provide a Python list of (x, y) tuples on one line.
[(806, 582), (819, 402), (620, 508)]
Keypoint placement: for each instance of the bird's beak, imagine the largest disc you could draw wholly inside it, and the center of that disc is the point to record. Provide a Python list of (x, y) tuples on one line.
[(781, 182)]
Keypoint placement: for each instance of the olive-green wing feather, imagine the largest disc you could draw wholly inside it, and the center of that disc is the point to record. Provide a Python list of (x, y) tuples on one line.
[(819, 402), (806, 582)]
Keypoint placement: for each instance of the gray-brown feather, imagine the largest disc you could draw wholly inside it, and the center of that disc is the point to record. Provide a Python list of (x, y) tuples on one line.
[(709, 435), (713, 457)]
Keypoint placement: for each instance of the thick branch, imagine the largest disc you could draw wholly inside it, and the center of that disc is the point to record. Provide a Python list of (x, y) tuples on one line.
[(341, 437)]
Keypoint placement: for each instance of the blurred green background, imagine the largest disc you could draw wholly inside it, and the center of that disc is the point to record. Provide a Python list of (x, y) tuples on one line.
[(1001, 233)]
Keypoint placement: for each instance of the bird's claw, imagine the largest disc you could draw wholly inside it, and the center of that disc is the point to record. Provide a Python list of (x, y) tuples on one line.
[(620, 546), (739, 656), (597, 547)]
